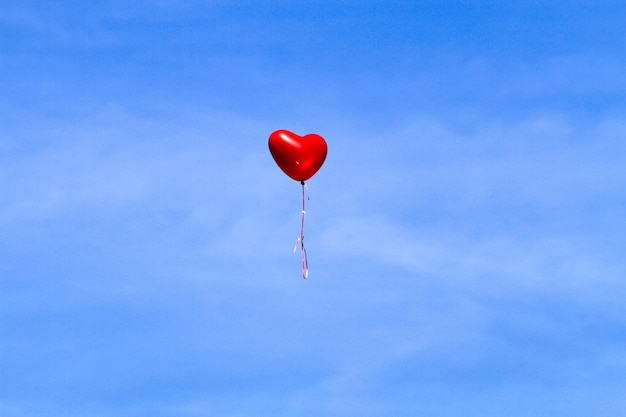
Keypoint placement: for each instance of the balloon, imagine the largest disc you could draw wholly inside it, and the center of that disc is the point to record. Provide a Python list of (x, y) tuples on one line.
[(300, 157)]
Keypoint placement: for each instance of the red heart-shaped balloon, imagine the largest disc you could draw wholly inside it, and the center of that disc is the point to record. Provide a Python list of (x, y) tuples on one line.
[(300, 157)]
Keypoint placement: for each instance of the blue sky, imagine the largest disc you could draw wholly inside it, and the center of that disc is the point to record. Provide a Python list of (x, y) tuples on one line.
[(465, 235)]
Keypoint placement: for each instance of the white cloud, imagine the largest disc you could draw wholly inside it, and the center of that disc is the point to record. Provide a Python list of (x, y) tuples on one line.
[(511, 206)]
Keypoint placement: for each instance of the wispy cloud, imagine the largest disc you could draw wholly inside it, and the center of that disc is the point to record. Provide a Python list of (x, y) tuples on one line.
[(464, 234), (509, 203)]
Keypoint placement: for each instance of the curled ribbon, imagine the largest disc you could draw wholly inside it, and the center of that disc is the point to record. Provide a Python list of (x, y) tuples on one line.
[(305, 261)]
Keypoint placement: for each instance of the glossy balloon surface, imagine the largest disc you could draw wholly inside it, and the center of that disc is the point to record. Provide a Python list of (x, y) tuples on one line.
[(300, 157)]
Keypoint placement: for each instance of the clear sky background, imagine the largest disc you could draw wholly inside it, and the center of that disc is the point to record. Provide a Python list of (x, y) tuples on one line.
[(466, 235)]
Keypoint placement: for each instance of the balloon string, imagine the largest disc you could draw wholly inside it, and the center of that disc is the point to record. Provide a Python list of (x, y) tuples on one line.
[(305, 261)]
